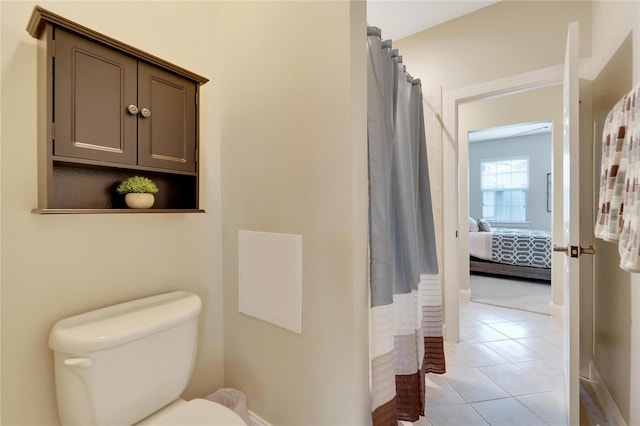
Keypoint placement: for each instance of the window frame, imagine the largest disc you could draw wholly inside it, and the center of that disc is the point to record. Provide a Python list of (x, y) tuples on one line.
[(509, 190)]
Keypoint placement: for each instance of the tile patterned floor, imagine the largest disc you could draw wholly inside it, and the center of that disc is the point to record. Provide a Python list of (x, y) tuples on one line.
[(506, 370)]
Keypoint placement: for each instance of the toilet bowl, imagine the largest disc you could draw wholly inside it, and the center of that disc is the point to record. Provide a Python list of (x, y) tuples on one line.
[(129, 363)]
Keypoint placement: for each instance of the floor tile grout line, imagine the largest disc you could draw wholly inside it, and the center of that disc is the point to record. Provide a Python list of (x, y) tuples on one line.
[(524, 394), (491, 424), (513, 397), (480, 414), (455, 390), (497, 384), (531, 411), (522, 360), (474, 316)]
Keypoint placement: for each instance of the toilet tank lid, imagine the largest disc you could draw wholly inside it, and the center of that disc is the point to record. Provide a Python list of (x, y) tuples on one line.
[(122, 323)]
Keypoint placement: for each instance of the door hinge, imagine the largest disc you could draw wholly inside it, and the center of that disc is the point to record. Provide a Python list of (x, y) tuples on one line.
[(53, 131), (53, 48)]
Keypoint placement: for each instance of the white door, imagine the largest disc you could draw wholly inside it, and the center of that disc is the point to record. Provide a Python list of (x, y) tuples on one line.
[(573, 177), (571, 203)]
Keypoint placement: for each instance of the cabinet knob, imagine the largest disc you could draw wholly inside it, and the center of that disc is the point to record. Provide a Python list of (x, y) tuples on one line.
[(132, 109), (145, 112)]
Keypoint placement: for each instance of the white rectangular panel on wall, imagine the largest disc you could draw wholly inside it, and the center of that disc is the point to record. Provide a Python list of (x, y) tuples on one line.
[(270, 278)]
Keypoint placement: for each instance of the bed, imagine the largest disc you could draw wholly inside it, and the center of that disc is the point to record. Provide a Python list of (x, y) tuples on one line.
[(520, 253)]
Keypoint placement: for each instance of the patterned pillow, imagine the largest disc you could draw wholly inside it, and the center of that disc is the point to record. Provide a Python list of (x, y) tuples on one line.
[(484, 226)]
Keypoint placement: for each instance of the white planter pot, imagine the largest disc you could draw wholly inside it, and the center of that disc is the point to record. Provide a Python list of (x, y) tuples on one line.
[(139, 201)]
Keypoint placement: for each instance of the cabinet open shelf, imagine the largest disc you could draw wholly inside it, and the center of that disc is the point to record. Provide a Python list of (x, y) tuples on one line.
[(89, 186), (109, 211)]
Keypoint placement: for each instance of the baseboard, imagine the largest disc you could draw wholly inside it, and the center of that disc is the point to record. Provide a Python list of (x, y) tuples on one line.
[(605, 399), (255, 420), (557, 311), (465, 295)]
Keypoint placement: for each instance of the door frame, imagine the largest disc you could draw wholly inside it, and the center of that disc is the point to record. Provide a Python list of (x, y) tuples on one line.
[(454, 220)]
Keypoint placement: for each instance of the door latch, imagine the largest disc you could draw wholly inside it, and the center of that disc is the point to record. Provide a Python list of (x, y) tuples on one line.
[(575, 251)]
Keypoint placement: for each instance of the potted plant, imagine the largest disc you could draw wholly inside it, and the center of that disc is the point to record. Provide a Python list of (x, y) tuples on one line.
[(138, 192)]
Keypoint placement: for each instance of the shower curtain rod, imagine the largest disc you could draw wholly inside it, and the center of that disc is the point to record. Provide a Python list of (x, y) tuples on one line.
[(412, 80), (435, 113), (439, 118)]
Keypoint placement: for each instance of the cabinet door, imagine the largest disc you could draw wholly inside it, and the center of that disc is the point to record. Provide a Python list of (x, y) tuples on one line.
[(167, 122), (93, 86)]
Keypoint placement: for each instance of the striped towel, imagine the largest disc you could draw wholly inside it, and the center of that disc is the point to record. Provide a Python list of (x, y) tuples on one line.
[(619, 204), (612, 174)]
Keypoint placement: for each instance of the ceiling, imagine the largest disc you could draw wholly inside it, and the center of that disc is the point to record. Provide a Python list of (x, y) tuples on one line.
[(401, 18), (512, 131)]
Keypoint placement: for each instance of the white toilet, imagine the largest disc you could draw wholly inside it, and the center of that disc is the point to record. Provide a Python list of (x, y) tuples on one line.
[(128, 364)]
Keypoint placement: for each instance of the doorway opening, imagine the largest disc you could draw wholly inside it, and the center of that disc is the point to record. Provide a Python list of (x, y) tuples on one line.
[(537, 107), (509, 206), (455, 153)]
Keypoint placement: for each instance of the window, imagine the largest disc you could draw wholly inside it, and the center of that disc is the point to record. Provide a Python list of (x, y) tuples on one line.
[(505, 185)]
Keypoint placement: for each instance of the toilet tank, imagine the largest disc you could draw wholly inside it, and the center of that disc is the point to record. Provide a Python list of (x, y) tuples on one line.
[(119, 364)]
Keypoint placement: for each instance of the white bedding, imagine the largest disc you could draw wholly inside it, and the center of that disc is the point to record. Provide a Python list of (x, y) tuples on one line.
[(480, 244)]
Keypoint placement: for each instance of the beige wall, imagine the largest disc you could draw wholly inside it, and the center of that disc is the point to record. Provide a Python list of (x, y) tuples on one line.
[(606, 40), (617, 293), (501, 40), (294, 161), (57, 265)]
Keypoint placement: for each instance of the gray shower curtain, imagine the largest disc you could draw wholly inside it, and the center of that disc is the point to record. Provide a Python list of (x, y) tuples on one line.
[(406, 298)]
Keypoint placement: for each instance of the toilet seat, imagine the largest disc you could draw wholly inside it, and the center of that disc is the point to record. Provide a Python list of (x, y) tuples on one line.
[(197, 412)]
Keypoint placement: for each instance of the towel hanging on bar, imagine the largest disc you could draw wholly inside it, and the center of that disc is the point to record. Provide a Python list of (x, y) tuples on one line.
[(618, 218)]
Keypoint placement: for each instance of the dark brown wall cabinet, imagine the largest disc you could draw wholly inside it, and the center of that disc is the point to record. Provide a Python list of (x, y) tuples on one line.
[(111, 111)]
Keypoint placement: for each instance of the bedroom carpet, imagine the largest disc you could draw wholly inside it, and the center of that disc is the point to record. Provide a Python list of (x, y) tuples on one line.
[(533, 296)]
